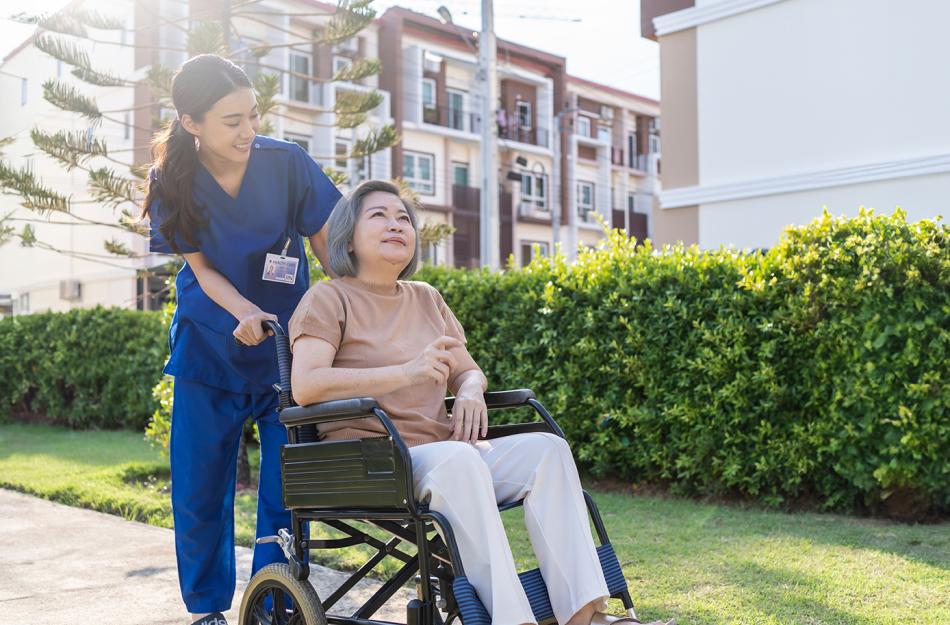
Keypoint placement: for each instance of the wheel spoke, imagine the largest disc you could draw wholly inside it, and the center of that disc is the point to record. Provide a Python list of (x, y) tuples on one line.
[(280, 608)]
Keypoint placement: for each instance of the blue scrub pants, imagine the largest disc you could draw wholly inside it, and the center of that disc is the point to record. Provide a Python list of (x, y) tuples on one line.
[(207, 423)]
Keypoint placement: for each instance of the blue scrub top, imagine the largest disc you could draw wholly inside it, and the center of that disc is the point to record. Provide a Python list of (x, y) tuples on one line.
[(284, 194)]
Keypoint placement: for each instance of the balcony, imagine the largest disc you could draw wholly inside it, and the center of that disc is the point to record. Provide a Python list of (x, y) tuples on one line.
[(621, 158), (587, 215), (534, 210), (452, 118), (522, 134)]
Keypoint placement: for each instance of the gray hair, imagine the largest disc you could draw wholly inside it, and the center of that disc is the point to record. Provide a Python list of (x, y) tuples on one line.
[(342, 224)]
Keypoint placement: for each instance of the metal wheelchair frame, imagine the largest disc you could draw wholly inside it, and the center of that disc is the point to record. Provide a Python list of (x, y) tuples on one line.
[(369, 481)]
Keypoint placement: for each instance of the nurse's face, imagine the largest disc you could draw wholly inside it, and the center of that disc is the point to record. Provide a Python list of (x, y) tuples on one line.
[(228, 128), (384, 236)]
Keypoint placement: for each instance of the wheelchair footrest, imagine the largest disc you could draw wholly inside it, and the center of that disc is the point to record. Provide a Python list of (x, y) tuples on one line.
[(474, 612)]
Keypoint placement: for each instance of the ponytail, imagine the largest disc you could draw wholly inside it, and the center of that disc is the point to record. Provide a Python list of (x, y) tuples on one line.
[(197, 85), (174, 161)]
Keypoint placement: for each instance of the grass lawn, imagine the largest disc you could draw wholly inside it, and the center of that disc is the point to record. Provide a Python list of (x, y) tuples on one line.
[(702, 563)]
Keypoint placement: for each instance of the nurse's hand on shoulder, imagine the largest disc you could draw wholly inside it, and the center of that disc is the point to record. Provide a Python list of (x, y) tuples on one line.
[(249, 330)]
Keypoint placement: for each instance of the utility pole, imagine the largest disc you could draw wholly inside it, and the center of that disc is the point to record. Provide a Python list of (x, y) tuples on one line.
[(489, 219), (556, 174)]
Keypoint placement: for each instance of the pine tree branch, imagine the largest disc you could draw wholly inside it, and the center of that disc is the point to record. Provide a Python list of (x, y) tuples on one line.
[(376, 140), (33, 194), (71, 53), (350, 18), (72, 149), (206, 38), (68, 98), (358, 70), (110, 189)]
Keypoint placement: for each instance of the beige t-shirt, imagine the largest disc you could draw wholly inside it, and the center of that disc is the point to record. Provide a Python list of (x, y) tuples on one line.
[(372, 328)]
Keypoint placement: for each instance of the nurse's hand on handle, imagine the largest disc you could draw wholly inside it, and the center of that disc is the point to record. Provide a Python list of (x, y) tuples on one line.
[(223, 293), (249, 330)]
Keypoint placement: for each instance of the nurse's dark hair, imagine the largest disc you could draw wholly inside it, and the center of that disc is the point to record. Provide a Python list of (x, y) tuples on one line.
[(199, 83), (342, 224)]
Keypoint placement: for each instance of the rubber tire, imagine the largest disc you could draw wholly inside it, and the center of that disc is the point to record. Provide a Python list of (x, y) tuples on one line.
[(278, 575)]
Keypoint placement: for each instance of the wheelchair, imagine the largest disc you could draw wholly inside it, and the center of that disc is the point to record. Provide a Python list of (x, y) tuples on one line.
[(369, 481)]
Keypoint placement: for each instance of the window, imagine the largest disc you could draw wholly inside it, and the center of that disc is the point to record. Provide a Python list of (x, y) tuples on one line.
[(359, 170), (340, 63), (127, 126), (585, 201), (603, 133), (299, 83), (654, 135), (631, 202), (428, 93), (303, 142), (523, 111), (583, 126), (533, 249), (460, 174), (418, 170), (341, 150), (24, 90), (632, 149), (22, 304), (356, 169), (534, 192), (456, 109)]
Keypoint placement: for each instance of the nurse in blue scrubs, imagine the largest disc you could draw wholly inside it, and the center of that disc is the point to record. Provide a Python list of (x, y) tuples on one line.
[(238, 207)]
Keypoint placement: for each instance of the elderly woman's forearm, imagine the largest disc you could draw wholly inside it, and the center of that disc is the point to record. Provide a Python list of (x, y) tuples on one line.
[(329, 383), (472, 380)]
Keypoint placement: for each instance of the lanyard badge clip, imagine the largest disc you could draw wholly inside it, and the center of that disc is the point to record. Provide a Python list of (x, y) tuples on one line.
[(281, 268)]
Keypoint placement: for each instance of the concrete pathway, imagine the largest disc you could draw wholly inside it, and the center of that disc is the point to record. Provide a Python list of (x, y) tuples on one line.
[(68, 566)]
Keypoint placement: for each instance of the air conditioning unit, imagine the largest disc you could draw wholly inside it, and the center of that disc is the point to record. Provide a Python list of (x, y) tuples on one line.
[(70, 290), (607, 112), (431, 62)]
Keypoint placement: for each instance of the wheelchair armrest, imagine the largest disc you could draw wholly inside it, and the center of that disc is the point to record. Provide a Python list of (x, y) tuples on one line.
[(512, 399), (501, 399), (328, 411)]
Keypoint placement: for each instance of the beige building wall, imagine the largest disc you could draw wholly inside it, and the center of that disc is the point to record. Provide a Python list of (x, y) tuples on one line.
[(680, 136)]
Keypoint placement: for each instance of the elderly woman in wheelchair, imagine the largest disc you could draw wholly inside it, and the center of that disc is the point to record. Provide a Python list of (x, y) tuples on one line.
[(373, 334)]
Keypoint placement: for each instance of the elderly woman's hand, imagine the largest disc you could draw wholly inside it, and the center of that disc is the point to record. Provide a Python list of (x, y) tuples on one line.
[(469, 414), (434, 364)]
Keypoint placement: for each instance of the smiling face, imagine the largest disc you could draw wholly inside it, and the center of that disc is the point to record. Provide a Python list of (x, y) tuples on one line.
[(228, 129), (384, 236)]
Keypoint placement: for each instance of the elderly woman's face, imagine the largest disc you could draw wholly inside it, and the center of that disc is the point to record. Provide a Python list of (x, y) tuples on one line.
[(384, 232)]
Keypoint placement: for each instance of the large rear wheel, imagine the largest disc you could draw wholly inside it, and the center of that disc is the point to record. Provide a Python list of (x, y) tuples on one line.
[(275, 597)]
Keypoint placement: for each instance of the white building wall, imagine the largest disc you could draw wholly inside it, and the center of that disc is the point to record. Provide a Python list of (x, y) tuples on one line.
[(33, 274), (842, 96)]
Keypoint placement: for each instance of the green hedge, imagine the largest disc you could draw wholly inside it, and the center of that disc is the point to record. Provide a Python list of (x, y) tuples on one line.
[(90, 368), (816, 371)]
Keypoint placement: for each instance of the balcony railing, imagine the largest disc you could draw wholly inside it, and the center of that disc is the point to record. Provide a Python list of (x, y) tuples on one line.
[(534, 209), (522, 134), (619, 156), (586, 215), (451, 117)]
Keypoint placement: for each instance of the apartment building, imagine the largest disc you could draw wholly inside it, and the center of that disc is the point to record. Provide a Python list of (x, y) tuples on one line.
[(572, 153), (775, 109), (431, 79), (613, 159)]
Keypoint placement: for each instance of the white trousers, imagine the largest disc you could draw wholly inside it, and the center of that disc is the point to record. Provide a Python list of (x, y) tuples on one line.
[(466, 483)]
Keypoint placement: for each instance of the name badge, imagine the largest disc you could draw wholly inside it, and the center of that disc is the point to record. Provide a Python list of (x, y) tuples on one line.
[(280, 267)]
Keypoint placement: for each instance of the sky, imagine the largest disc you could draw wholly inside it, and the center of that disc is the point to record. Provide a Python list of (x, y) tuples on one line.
[(599, 38)]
